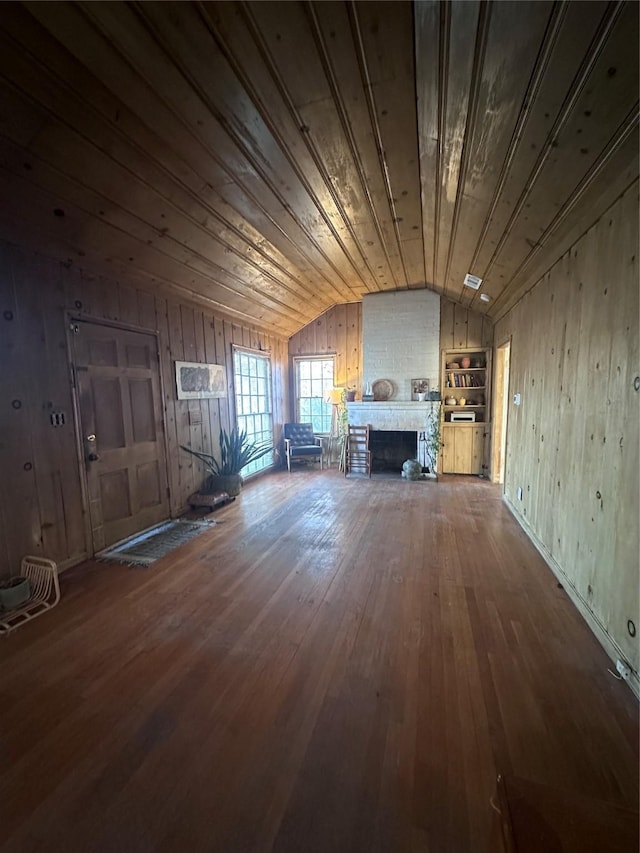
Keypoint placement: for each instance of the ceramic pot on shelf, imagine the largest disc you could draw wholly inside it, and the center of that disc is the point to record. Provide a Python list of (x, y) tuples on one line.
[(465, 363)]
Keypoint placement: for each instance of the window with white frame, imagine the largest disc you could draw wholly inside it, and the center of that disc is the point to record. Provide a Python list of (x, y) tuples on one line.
[(252, 384), (314, 378)]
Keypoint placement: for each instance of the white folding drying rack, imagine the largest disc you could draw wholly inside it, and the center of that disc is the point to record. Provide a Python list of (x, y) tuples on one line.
[(45, 593)]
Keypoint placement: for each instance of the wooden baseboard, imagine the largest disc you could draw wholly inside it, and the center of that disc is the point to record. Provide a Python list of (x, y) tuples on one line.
[(73, 561), (604, 638)]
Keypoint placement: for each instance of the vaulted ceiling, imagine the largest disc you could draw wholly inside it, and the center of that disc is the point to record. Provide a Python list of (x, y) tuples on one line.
[(273, 159)]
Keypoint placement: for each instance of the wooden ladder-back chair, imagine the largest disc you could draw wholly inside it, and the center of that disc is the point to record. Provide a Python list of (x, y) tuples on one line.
[(358, 455)]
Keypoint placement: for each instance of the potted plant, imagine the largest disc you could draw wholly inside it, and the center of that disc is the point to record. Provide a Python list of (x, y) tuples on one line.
[(14, 592), (433, 442), (343, 429), (420, 389), (236, 451)]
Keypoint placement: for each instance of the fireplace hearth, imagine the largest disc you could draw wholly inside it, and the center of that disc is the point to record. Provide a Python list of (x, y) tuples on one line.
[(395, 427), (390, 448)]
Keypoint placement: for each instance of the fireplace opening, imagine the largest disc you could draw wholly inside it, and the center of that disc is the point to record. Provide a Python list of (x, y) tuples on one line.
[(390, 448)]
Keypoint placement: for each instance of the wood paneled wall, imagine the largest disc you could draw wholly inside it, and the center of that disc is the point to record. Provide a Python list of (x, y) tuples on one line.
[(461, 327), (339, 331), (41, 507), (572, 446)]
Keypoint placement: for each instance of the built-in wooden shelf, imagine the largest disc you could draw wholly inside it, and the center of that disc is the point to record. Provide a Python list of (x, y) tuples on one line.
[(464, 448)]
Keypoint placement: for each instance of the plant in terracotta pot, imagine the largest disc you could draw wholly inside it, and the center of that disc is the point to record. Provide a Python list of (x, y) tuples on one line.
[(236, 452)]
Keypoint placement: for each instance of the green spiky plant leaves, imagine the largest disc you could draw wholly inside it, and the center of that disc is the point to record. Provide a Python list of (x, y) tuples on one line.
[(236, 451)]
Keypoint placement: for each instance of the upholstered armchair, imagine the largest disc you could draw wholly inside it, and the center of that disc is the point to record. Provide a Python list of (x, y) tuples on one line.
[(301, 443)]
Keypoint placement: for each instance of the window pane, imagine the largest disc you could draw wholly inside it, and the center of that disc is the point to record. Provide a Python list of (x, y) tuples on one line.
[(314, 377), (305, 388), (305, 410), (253, 403)]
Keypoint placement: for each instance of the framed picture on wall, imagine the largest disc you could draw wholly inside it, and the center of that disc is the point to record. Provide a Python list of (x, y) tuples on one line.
[(420, 389), (195, 381)]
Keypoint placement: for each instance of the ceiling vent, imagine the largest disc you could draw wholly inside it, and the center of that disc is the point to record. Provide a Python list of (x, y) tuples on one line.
[(472, 281)]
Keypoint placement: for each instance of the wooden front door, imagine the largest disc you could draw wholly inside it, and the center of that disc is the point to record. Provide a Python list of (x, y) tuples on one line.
[(118, 384)]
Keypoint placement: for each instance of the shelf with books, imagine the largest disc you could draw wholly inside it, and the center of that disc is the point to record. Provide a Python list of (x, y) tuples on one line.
[(465, 386), (469, 379)]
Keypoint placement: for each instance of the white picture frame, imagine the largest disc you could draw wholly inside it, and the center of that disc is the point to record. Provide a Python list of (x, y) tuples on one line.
[(198, 381)]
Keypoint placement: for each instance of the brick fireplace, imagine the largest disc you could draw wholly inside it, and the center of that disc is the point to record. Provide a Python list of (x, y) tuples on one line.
[(401, 342), (401, 339), (387, 421)]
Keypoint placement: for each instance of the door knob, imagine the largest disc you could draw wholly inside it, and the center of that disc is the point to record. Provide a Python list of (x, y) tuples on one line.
[(92, 456)]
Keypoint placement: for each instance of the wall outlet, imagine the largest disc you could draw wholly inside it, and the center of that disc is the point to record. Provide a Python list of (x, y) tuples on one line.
[(624, 669), (517, 399), (519, 493)]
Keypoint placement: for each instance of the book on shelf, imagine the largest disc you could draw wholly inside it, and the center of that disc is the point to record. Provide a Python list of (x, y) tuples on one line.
[(465, 380)]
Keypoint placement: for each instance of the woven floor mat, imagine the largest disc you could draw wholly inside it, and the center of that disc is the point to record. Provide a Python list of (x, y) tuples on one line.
[(145, 548)]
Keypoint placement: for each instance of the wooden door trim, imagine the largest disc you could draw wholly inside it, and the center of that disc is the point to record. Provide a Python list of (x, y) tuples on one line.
[(72, 317), (82, 468), (79, 317), (496, 429)]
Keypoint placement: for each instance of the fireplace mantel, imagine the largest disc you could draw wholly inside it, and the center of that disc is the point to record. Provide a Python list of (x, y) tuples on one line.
[(391, 414)]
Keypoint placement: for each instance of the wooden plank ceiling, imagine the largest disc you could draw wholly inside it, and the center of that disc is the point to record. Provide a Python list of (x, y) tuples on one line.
[(274, 159)]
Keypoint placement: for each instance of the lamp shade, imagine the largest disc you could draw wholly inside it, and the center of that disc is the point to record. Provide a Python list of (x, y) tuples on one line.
[(334, 396)]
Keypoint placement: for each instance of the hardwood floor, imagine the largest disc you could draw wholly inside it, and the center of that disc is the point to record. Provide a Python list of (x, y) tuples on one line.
[(342, 665)]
